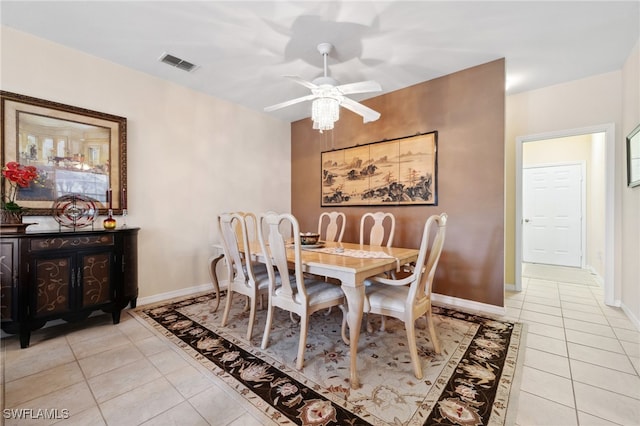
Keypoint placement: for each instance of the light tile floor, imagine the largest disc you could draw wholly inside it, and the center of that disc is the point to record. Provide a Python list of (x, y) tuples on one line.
[(581, 368), (582, 361)]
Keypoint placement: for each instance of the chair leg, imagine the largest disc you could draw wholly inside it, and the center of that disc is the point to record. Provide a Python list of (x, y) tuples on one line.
[(216, 303), (227, 307), (343, 329), (247, 302), (413, 348), (369, 326), (432, 332), (252, 318), (267, 326), (383, 322), (304, 328), (214, 280)]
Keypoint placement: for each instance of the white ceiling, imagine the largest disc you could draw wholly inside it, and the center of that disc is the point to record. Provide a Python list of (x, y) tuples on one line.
[(243, 49)]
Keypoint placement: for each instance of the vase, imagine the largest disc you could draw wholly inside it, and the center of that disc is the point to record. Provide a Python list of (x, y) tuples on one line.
[(10, 217), (109, 223)]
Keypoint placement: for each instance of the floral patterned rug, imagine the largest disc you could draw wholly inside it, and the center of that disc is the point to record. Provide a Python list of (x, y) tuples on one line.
[(470, 383)]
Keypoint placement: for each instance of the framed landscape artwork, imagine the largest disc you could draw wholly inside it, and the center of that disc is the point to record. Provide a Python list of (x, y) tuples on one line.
[(395, 172), (74, 151)]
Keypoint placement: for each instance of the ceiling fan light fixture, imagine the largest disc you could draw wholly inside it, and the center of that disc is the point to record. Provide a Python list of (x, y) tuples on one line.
[(324, 113), (329, 96)]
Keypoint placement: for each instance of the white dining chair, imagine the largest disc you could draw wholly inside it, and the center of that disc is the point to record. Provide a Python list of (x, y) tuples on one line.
[(409, 298), (243, 278), (291, 290), (331, 226), (382, 228)]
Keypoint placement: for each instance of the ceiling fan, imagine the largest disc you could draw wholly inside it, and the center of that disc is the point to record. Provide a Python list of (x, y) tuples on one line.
[(328, 96)]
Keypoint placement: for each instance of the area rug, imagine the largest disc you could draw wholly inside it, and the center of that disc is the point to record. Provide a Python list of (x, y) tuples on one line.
[(472, 382)]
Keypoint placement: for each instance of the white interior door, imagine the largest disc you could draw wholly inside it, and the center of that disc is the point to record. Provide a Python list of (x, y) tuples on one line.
[(552, 206)]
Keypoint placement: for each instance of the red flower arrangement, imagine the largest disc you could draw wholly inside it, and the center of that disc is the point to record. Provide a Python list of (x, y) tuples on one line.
[(19, 176)]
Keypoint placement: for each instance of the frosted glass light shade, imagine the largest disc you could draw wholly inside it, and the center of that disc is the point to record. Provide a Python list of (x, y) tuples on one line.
[(324, 113)]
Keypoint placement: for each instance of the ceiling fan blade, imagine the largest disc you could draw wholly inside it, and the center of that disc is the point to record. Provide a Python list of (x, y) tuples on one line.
[(305, 83), (367, 113), (360, 87), (289, 102)]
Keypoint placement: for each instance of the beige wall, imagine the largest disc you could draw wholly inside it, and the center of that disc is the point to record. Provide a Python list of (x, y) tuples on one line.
[(596, 206), (629, 249), (612, 97), (467, 110), (573, 105), (190, 156)]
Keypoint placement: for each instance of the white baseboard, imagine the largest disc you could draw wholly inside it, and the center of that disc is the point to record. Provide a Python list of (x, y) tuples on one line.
[(596, 276), (455, 302), (468, 305), (632, 317), (141, 301), (438, 298), (174, 294)]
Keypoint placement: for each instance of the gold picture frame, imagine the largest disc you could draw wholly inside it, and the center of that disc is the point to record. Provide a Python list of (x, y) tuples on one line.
[(75, 151), (396, 172)]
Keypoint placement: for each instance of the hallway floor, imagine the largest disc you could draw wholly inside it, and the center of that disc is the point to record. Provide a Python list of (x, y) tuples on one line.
[(581, 368), (583, 357)]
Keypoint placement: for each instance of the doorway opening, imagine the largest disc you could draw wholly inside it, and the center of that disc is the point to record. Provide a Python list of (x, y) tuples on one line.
[(595, 147)]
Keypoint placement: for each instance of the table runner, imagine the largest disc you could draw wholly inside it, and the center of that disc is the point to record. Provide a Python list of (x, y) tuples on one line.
[(362, 254)]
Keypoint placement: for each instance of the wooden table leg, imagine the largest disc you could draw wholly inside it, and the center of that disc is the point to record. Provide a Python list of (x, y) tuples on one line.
[(355, 301), (213, 263)]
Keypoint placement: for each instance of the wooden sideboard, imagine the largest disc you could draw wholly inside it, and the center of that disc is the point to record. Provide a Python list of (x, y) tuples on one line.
[(47, 275)]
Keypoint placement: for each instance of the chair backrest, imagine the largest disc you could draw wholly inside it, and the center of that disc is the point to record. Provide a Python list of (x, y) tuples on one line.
[(251, 223), (425, 270), (273, 243), (334, 229), (377, 233), (233, 229)]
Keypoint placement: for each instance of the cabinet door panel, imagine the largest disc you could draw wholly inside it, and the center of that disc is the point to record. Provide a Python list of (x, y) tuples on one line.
[(130, 266), (53, 280), (96, 278), (8, 274)]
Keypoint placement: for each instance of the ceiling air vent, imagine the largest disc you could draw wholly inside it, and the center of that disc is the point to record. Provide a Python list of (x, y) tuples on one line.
[(177, 62)]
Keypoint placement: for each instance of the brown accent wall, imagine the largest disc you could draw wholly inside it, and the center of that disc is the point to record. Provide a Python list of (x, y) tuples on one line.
[(467, 109)]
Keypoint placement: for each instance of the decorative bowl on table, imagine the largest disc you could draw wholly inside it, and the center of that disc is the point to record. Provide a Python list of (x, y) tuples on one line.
[(309, 238)]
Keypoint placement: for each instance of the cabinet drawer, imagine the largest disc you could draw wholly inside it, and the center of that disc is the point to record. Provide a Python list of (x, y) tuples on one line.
[(71, 242)]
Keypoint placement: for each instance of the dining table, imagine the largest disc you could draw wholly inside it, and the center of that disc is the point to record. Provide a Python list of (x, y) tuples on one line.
[(351, 264)]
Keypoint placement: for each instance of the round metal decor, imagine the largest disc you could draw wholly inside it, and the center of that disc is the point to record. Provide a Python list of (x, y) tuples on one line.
[(75, 211)]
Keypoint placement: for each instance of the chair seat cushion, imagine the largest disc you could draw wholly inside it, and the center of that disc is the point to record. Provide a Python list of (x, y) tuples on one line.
[(318, 292), (262, 280), (321, 292), (386, 296), (259, 268)]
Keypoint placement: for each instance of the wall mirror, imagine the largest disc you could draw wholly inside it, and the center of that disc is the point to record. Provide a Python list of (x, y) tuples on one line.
[(75, 151), (633, 157)]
